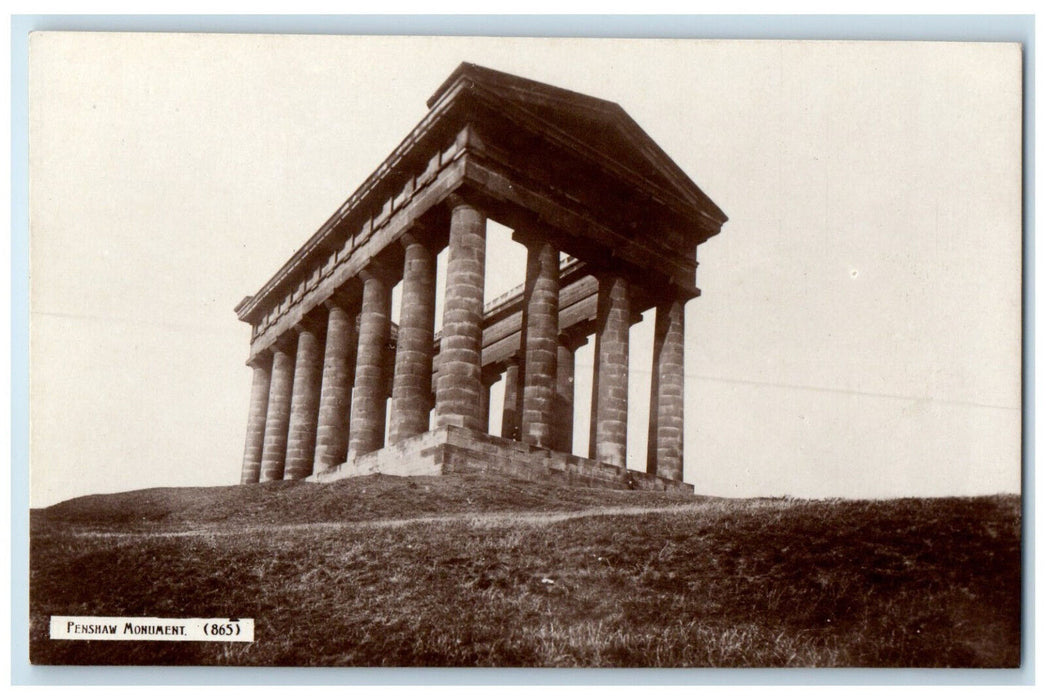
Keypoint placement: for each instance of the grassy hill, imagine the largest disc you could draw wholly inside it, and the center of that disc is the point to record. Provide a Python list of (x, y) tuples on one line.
[(485, 570)]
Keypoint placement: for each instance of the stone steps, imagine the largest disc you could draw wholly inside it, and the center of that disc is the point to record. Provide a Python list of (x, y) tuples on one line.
[(455, 450)]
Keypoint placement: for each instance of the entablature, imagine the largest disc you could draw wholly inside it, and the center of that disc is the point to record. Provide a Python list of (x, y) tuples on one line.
[(522, 171)]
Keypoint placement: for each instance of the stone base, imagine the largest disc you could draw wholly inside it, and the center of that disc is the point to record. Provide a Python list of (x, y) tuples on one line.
[(455, 450)]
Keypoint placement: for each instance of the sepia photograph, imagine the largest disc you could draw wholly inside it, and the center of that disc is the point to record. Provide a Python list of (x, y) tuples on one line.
[(431, 351)]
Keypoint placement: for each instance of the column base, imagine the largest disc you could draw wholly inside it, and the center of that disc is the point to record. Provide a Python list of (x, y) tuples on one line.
[(455, 450)]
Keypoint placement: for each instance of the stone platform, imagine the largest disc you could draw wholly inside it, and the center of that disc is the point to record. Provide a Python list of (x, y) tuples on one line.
[(454, 450)]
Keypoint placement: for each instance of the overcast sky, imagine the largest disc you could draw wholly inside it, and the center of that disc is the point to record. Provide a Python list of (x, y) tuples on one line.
[(859, 329)]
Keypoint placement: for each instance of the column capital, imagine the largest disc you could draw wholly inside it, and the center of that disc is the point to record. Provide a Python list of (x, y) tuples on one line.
[(490, 375), (310, 325), (573, 338), (417, 234), (457, 199), (669, 292), (612, 268), (533, 233), (262, 358), (285, 343), (343, 298), (379, 270), (529, 238)]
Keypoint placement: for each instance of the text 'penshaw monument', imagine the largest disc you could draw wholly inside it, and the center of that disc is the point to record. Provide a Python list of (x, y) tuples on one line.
[(611, 226)]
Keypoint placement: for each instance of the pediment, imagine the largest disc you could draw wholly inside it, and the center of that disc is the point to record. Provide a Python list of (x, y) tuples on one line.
[(599, 128)]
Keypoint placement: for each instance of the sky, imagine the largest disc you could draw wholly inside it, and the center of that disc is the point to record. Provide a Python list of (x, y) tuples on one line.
[(858, 334)]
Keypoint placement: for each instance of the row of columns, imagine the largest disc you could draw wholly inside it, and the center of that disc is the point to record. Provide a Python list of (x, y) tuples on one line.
[(321, 399), (562, 433)]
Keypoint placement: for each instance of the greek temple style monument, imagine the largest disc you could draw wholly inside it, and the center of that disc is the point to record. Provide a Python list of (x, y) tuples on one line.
[(611, 226)]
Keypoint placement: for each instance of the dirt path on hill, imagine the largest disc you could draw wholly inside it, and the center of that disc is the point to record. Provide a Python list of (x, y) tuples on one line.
[(473, 520)]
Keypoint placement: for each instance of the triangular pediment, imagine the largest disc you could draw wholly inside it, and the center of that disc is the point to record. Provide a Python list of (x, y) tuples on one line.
[(602, 129)]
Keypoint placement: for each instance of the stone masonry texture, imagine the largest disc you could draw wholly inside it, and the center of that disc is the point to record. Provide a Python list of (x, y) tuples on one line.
[(540, 341), (510, 411), (484, 406), (305, 404), (563, 421), (457, 450), (611, 410), (367, 418), (458, 384), (339, 367), (252, 451), (278, 415), (665, 439), (412, 379), (594, 401), (337, 389)]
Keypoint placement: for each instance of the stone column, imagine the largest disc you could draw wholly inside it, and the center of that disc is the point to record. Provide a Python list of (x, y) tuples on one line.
[(412, 380), (540, 328), (563, 434), (510, 412), (367, 420), (665, 436), (252, 450), (484, 406), (305, 402), (595, 398), (610, 396), (458, 384), (278, 413), (339, 366)]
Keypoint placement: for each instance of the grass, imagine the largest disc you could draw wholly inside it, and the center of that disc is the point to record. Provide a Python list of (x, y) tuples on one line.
[(487, 571)]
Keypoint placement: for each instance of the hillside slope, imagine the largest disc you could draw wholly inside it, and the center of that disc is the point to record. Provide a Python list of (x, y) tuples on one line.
[(468, 571)]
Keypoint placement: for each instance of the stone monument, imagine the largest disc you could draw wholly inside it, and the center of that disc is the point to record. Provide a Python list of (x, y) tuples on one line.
[(611, 226)]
